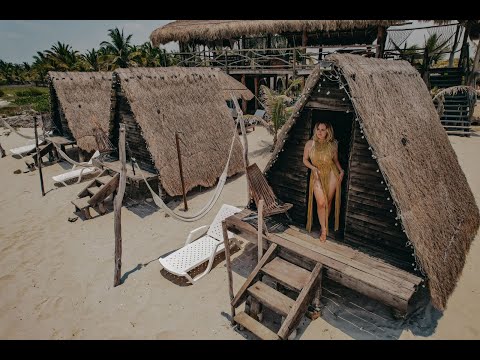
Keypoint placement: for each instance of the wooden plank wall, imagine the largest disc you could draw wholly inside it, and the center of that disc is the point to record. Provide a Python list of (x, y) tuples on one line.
[(134, 138), (288, 176), (370, 218)]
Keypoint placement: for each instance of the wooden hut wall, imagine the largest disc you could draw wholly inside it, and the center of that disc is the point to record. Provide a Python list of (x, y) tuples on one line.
[(288, 176), (137, 147), (58, 119), (371, 223)]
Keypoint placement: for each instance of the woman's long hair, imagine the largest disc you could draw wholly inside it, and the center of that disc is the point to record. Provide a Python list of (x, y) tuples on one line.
[(329, 127)]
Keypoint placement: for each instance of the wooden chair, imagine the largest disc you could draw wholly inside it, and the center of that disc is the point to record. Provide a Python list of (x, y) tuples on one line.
[(260, 189)]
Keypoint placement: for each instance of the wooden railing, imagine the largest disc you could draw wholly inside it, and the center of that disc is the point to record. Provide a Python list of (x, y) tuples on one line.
[(293, 59)]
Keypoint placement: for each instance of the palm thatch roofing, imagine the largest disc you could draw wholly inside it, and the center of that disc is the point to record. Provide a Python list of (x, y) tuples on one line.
[(429, 189), (231, 86), (209, 30), (84, 98), (187, 100)]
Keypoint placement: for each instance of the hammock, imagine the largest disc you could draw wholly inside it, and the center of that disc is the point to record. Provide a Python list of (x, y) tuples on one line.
[(218, 190)]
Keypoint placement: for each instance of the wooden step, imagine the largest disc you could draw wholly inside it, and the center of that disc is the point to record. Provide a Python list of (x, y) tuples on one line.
[(287, 273), (255, 327), (94, 189), (81, 203), (104, 179), (271, 298)]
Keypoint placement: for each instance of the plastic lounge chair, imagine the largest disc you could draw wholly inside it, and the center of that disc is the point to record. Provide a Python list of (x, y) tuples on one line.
[(26, 149), (74, 173), (196, 252), (259, 114)]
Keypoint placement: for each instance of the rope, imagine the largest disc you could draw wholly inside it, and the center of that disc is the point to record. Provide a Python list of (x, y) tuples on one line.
[(202, 212), (18, 133)]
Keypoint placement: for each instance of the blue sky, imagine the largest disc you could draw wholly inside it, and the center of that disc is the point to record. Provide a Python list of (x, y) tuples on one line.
[(21, 39)]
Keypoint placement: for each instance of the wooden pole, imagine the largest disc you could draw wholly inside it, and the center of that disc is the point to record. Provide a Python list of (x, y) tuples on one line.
[(229, 268), (381, 38), (39, 159), (117, 207), (260, 229), (244, 102), (245, 141), (255, 81), (2, 151), (475, 66), (454, 47), (181, 171)]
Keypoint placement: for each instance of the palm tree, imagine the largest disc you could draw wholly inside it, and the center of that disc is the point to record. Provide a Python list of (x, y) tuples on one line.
[(91, 60), (119, 49), (435, 49), (278, 106), (64, 58)]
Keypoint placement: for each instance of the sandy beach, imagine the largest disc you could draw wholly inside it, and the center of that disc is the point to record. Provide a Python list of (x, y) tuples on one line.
[(56, 276)]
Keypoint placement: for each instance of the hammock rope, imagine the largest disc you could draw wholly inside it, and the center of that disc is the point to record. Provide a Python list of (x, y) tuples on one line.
[(208, 206)]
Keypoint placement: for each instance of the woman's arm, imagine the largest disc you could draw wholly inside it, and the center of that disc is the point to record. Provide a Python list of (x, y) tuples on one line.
[(306, 152), (337, 163)]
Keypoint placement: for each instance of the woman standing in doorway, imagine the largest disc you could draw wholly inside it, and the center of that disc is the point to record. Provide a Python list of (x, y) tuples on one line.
[(321, 156)]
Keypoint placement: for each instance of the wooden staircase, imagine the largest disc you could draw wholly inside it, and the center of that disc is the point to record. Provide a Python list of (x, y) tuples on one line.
[(94, 195), (256, 293)]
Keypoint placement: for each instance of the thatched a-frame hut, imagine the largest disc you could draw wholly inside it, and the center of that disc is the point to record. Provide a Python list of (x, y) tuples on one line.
[(155, 103), (405, 192), (81, 103), (201, 31)]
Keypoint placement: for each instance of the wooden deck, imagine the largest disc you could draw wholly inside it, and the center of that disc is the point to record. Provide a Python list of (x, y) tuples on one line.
[(345, 265), (116, 166)]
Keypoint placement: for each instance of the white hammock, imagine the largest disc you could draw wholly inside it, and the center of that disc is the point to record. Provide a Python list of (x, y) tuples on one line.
[(218, 190)]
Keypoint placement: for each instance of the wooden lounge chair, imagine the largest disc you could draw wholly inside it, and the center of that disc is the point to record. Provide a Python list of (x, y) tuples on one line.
[(260, 189), (196, 252)]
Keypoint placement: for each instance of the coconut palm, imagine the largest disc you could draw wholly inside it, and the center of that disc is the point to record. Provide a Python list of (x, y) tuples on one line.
[(278, 106), (63, 57), (118, 49)]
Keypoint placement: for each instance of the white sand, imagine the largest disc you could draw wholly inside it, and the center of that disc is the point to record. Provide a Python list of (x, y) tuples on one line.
[(56, 277)]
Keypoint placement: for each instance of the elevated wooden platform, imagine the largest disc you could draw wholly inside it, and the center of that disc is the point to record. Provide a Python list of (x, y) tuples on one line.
[(345, 265), (116, 166)]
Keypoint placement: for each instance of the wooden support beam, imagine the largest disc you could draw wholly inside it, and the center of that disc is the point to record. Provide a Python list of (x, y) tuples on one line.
[(260, 229), (381, 38), (2, 151), (229, 269), (255, 81), (244, 102), (117, 206), (39, 159)]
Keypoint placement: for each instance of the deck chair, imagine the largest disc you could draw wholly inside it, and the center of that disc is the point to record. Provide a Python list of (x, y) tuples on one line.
[(205, 248), (258, 116), (260, 189), (26, 149), (76, 173)]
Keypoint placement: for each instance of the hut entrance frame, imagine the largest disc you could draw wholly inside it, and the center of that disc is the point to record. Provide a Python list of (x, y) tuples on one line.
[(368, 217)]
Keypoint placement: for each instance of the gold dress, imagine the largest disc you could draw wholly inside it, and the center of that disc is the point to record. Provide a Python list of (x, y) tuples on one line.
[(321, 156)]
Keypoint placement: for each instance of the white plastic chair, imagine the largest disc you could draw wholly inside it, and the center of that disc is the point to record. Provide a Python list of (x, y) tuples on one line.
[(196, 252), (26, 149), (74, 173)]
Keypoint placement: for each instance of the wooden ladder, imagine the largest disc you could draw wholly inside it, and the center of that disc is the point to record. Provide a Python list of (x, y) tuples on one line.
[(95, 193), (256, 294)]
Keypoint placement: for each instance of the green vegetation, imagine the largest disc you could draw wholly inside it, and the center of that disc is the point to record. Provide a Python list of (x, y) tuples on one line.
[(118, 52), (24, 99)]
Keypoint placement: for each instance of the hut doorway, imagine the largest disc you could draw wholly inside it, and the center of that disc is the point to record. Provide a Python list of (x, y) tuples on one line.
[(342, 124)]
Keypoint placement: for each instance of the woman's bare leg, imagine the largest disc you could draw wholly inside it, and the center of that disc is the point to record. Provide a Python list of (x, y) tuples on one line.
[(321, 201), (332, 187)]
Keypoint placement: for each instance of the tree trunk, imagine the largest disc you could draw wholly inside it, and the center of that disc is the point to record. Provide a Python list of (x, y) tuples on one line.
[(2, 152)]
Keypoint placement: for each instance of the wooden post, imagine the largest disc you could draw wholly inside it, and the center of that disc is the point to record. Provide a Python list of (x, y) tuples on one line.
[(39, 159), (255, 81), (226, 243), (463, 51), (454, 47), (245, 141), (260, 230), (2, 151), (381, 38), (181, 171), (304, 46), (475, 67), (294, 67), (117, 207), (244, 102)]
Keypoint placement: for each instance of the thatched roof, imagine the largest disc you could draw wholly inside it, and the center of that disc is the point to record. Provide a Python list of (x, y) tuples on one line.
[(432, 196), (231, 86), (209, 30), (188, 100), (85, 100)]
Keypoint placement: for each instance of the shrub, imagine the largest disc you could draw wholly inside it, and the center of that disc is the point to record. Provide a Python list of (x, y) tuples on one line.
[(29, 92)]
